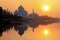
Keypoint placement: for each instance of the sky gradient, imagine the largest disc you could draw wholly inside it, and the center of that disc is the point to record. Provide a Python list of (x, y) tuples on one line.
[(37, 5)]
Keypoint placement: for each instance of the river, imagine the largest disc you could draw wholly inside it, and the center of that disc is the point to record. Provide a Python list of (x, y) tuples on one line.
[(32, 32)]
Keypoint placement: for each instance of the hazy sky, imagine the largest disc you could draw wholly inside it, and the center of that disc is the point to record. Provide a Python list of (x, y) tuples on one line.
[(37, 5)]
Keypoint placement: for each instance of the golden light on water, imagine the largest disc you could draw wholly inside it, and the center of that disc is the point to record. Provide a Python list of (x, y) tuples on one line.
[(46, 32)]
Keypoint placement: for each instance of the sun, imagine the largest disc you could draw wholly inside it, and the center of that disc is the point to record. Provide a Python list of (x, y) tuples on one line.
[(46, 32), (45, 8)]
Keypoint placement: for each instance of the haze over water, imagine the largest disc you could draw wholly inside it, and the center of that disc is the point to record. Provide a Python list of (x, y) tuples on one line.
[(37, 34)]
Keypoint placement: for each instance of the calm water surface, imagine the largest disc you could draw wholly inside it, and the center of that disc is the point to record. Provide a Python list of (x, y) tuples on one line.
[(33, 33)]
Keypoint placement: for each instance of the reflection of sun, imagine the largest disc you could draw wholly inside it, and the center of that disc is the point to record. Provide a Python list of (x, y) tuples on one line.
[(45, 8), (46, 32)]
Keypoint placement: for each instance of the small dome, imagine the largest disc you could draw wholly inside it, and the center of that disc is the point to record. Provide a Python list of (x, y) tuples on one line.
[(20, 7)]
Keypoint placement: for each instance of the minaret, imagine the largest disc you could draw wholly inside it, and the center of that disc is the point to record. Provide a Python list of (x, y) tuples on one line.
[(33, 12)]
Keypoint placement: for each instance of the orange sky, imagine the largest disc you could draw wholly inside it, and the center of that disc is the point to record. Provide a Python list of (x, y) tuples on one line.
[(37, 5)]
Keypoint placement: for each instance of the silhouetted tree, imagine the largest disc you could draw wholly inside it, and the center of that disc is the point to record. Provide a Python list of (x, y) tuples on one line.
[(4, 28), (1, 10)]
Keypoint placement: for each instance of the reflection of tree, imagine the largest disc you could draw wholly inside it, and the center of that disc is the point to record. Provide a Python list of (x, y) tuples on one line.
[(33, 25), (21, 28), (4, 28)]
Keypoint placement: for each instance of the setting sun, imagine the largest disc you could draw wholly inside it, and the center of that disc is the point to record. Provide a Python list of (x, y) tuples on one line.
[(45, 8)]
